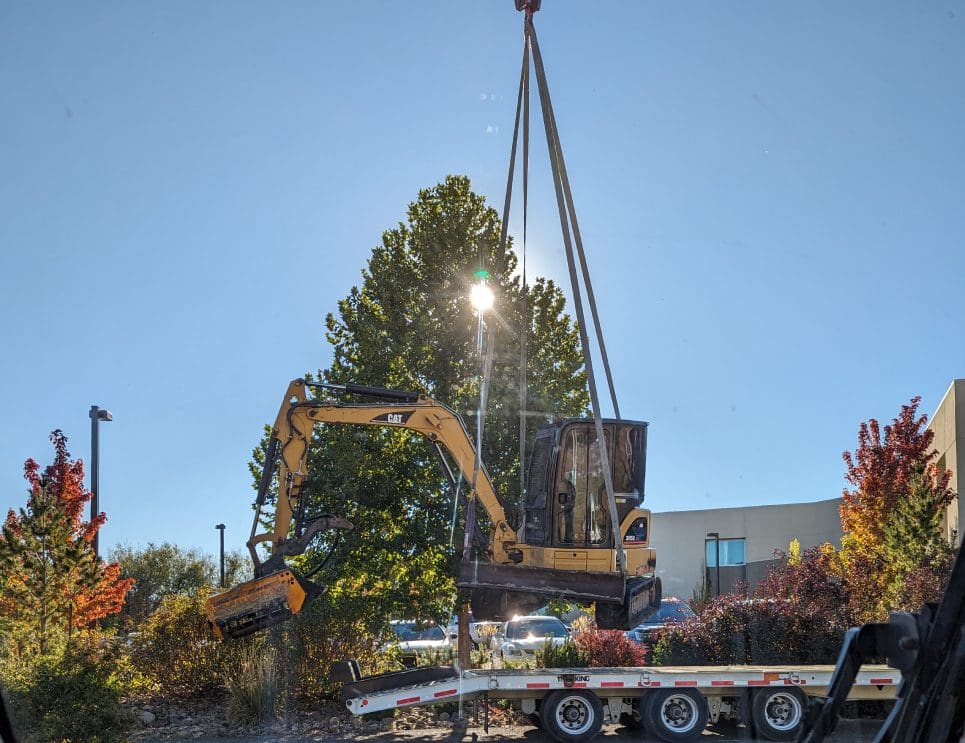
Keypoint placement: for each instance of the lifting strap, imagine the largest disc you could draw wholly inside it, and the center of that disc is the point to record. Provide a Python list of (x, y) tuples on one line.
[(571, 234)]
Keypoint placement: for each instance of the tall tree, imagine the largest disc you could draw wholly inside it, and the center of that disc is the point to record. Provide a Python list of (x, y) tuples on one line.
[(895, 478), (53, 583), (409, 325)]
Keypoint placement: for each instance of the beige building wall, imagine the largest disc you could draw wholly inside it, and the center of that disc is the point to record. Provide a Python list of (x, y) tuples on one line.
[(948, 423), (679, 537)]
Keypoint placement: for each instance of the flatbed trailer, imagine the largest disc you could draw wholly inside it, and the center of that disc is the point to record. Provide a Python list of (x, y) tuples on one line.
[(672, 703)]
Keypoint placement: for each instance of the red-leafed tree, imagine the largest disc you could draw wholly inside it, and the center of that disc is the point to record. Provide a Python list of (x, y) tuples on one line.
[(52, 582), (893, 513)]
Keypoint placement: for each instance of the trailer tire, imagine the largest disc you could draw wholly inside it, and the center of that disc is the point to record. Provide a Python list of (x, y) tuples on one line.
[(778, 713), (572, 716), (674, 714)]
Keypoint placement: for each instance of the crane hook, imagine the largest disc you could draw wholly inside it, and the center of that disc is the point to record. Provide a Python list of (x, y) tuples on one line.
[(530, 6)]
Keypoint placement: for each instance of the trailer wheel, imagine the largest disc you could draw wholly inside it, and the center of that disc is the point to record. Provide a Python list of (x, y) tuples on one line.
[(777, 713), (674, 714), (572, 716)]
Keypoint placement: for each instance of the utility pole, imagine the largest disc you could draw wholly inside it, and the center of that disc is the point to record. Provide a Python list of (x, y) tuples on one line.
[(716, 537), (96, 416), (220, 528)]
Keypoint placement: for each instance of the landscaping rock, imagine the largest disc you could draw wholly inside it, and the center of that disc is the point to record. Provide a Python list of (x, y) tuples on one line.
[(146, 717)]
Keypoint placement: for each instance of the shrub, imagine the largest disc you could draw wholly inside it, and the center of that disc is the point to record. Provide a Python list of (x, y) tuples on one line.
[(177, 651), (330, 629), (71, 697), (564, 655), (254, 686), (609, 648), (436, 657), (735, 630)]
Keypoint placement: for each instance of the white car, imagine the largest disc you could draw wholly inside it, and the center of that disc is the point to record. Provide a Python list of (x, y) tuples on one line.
[(479, 632), (522, 636), (416, 639)]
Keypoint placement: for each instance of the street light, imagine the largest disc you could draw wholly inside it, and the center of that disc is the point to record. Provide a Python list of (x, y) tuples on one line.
[(220, 527), (481, 296), (96, 416), (716, 537)]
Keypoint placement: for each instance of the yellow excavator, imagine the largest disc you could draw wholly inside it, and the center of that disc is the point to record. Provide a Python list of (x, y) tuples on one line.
[(563, 546)]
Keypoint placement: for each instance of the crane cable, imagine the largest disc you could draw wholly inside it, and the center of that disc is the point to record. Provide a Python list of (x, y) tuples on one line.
[(571, 235)]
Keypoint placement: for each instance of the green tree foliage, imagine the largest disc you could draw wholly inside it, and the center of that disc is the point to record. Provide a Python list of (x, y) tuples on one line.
[(70, 697), (166, 570), (914, 544), (409, 325)]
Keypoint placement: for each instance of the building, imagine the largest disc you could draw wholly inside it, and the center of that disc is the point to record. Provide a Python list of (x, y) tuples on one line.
[(948, 424), (748, 539)]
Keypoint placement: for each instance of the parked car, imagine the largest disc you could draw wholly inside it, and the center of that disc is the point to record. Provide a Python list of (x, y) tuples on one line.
[(481, 633), (672, 611), (521, 636), (415, 639)]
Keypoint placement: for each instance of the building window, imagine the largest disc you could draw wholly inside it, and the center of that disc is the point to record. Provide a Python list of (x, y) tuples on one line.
[(731, 552)]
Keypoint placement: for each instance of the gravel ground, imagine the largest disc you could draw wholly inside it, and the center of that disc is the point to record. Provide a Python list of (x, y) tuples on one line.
[(857, 731)]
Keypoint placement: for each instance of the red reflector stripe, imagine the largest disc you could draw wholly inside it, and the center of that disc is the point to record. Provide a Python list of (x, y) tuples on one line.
[(684, 683), (758, 682), (444, 693), (579, 686), (407, 700), (538, 686), (882, 681), (606, 684), (721, 683), (649, 683)]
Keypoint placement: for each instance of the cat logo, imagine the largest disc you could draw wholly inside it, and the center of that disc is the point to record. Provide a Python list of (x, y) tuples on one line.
[(397, 419)]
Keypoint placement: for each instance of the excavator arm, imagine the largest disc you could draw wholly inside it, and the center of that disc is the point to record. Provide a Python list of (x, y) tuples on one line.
[(277, 592), (291, 437)]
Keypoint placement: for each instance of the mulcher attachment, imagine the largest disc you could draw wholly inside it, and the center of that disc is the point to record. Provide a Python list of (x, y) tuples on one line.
[(259, 603)]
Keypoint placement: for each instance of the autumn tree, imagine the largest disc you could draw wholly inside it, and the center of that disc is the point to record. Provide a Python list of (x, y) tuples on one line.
[(53, 583), (892, 518), (409, 325)]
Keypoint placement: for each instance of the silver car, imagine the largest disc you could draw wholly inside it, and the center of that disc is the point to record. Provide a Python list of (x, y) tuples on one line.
[(521, 636)]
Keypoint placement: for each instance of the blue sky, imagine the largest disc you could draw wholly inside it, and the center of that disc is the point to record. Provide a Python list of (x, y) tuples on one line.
[(770, 195)]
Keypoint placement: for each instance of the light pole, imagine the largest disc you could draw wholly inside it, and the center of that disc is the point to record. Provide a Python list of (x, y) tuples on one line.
[(96, 416), (716, 537), (220, 528)]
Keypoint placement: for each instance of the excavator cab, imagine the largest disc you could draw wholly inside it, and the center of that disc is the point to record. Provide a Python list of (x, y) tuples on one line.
[(566, 543), (565, 503)]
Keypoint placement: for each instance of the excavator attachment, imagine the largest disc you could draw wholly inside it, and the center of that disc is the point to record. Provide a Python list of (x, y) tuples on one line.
[(498, 592), (259, 603)]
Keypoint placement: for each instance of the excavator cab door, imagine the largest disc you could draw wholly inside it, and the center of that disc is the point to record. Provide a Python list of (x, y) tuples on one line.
[(566, 503)]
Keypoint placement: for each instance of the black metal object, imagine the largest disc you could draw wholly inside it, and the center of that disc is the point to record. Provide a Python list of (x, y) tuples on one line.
[(97, 415), (716, 537), (220, 528), (929, 650), (588, 585), (529, 6), (6, 726)]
